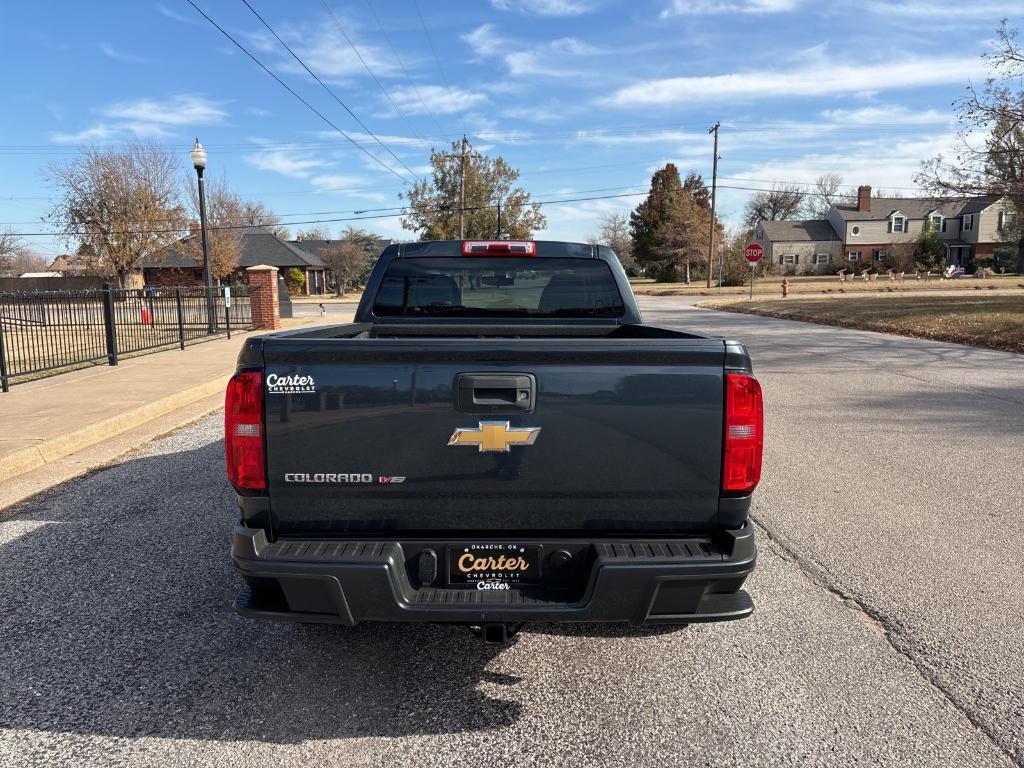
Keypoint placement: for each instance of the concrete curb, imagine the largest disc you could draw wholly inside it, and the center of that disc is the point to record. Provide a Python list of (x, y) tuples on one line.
[(55, 448)]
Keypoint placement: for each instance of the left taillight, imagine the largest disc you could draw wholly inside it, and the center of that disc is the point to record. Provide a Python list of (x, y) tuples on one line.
[(744, 433), (243, 431)]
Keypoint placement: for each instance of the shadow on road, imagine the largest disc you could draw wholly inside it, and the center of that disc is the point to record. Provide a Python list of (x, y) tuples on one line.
[(115, 620)]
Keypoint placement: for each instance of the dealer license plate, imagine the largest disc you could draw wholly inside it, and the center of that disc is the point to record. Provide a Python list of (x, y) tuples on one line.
[(499, 563)]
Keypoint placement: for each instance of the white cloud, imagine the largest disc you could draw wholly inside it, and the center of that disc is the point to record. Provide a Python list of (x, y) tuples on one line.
[(545, 7), (934, 10), (183, 109), (575, 222), (437, 98), (324, 49), (95, 133), (883, 163), (833, 79), (112, 53), (547, 59), (337, 182), (294, 164), (891, 115), (172, 14), (146, 118), (708, 7)]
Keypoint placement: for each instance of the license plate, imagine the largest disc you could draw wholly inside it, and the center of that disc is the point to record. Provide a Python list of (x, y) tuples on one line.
[(498, 563)]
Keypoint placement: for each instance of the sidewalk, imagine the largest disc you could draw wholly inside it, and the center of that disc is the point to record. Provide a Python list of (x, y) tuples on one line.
[(51, 427)]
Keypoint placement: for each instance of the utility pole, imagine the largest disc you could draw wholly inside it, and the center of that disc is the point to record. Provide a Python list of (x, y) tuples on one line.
[(462, 192), (714, 189), (498, 236)]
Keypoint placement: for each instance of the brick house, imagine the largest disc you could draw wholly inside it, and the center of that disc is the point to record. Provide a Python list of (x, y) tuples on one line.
[(863, 235), (175, 266)]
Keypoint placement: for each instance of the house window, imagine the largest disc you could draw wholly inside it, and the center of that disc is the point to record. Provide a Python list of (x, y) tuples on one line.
[(821, 258), (1005, 217), (881, 255), (789, 258), (899, 223), (938, 223), (853, 255), (942, 227), (855, 231), (968, 222)]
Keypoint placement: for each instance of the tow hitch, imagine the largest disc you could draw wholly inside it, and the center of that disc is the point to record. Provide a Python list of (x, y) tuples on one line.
[(495, 634)]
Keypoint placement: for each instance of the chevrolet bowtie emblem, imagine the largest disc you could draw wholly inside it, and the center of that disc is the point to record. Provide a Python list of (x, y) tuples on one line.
[(494, 436)]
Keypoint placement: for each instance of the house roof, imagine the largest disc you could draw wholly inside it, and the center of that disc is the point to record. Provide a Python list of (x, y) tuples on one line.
[(978, 204), (259, 246), (793, 231), (914, 207)]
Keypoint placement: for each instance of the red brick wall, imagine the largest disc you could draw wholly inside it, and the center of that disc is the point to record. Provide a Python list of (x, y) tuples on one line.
[(266, 314), (165, 276)]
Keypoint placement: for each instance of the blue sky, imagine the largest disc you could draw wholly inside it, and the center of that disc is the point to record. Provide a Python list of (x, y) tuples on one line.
[(585, 97)]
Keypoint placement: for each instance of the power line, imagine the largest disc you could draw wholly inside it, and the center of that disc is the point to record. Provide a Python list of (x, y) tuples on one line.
[(401, 64), (440, 69), (329, 91), (288, 88), (403, 212), (352, 45), (443, 208)]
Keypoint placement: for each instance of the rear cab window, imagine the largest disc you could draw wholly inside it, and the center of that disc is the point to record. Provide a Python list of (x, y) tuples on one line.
[(498, 287)]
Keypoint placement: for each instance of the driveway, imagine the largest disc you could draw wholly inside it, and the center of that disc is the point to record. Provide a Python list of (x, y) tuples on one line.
[(888, 626)]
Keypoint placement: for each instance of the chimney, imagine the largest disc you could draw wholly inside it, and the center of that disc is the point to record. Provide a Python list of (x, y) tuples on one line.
[(298, 238), (864, 198), (194, 228)]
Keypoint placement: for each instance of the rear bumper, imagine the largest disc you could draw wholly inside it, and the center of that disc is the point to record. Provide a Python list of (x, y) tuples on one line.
[(651, 581)]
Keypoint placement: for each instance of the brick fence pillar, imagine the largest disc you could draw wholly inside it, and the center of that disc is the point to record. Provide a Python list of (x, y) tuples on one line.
[(265, 313)]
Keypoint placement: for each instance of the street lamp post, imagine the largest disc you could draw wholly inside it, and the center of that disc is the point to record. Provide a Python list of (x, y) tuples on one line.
[(198, 156)]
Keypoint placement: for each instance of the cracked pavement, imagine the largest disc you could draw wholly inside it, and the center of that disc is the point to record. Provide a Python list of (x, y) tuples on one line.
[(888, 626)]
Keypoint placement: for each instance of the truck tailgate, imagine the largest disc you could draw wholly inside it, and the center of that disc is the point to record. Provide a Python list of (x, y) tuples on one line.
[(358, 433)]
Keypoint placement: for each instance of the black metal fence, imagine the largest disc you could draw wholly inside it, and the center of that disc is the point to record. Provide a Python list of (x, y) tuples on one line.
[(54, 331)]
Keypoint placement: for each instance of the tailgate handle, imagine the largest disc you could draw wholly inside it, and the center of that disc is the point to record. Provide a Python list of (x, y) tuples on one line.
[(495, 392)]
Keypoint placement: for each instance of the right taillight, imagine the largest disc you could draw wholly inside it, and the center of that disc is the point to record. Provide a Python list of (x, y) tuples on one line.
[(744, 433), (243, 431)]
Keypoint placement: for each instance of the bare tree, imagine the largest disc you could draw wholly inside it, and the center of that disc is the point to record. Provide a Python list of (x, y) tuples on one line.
[(313, 233), (123, 204), (776, 204), (345, 259), (256, 214), (11, 248), (224, 221), (990, 149), (826, 194), (614, 232)]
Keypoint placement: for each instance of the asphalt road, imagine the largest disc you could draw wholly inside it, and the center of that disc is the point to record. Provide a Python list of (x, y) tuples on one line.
[(888, 628)]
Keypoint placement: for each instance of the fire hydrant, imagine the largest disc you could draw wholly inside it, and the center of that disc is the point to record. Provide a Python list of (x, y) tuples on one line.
[(785, 288)]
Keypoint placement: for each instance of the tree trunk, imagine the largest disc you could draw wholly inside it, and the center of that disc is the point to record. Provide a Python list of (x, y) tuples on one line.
[(1020, 256)]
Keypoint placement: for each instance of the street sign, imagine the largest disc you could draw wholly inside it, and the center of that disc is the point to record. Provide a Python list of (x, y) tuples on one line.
[(753, 253), (227, 296)]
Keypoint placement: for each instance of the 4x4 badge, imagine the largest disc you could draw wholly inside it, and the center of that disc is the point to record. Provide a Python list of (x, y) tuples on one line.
[(494, 436)]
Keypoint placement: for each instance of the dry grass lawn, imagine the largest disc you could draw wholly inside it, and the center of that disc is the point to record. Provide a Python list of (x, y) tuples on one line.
[(829, 284), (996, 322)]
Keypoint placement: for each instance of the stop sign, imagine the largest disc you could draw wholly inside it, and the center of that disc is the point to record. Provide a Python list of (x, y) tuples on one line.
[(753, 253)]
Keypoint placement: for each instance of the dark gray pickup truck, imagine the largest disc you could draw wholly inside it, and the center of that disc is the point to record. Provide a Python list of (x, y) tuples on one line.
[(496, 439)]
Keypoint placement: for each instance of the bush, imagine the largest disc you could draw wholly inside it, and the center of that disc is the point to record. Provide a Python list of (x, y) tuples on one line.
[(295, 279), (667, 273)]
